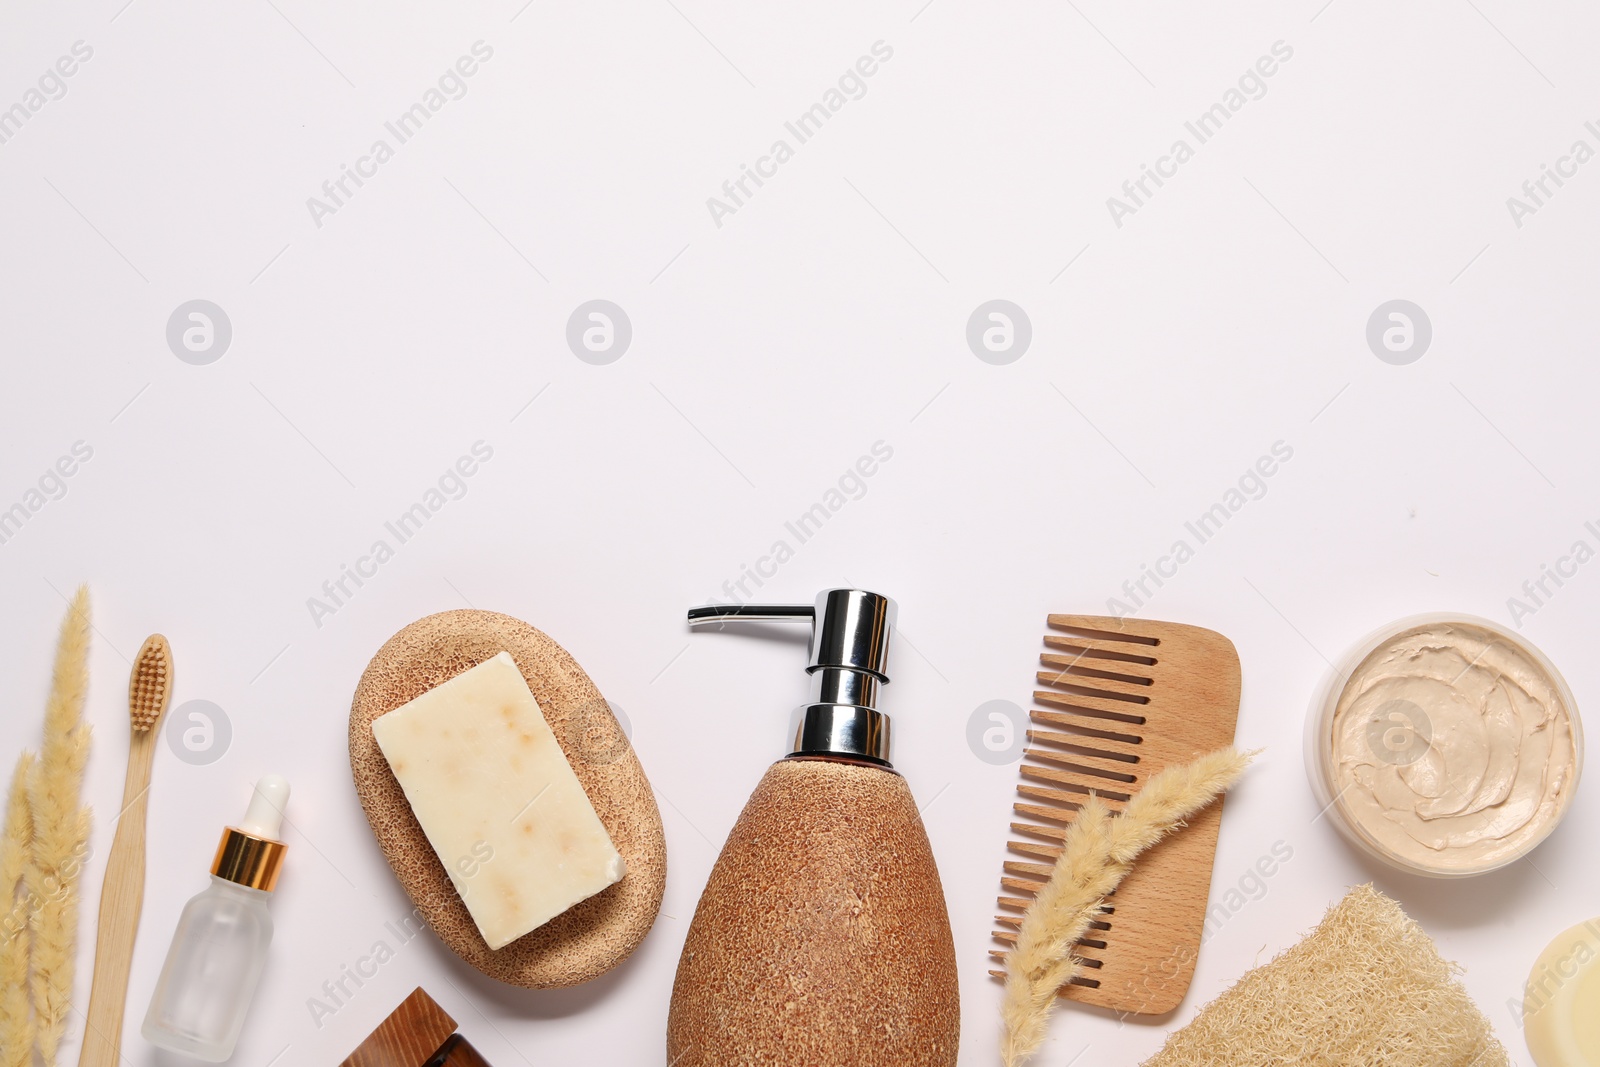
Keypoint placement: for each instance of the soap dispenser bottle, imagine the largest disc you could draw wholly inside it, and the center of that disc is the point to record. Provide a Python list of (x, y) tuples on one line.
[(822, 938)]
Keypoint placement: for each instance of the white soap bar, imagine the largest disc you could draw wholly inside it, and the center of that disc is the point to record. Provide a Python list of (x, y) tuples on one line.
[(498, 800)]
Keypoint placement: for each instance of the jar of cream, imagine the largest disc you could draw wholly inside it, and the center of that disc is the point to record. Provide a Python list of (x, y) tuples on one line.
[(1444, 745)]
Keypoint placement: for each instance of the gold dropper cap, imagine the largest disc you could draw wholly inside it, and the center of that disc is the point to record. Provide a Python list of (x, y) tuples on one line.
[(250, 853), (249, 860)]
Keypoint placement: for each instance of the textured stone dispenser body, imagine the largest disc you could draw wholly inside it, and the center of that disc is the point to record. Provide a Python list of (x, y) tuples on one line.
[(822, 938)]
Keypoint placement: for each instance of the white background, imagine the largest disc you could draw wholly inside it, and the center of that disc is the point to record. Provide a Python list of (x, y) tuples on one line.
[(826, 314)]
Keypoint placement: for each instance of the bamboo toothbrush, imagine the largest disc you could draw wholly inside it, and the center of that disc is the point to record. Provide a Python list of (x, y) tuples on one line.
[(122, 893)]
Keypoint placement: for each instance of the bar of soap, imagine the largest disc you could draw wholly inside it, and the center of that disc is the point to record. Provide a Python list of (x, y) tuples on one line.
[(498, 801), (1561, 1003)]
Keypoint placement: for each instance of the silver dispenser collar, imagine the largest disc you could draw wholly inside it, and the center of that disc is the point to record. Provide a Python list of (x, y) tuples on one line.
[(849, 660)]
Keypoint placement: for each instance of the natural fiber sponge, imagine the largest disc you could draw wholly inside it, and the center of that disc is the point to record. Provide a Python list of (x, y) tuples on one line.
[(1365, 987), (589, 938)]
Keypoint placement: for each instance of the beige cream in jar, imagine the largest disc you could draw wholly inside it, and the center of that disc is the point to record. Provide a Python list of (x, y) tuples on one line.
[(1446, 746)]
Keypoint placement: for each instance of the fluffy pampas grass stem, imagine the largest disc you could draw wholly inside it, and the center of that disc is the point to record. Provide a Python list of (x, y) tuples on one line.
[(60, 833), (1096, 855), (16, 1014)]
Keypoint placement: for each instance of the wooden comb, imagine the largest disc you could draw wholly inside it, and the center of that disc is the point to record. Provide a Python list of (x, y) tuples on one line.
[(1125, 698)]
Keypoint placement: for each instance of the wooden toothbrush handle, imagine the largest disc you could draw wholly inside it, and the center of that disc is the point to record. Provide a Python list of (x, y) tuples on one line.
[(121, 898)]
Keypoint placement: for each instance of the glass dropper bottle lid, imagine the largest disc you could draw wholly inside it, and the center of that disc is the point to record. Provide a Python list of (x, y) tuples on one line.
[(251, 854)]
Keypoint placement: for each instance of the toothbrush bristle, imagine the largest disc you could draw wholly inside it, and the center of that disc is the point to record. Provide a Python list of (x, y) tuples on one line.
[(150, 687)]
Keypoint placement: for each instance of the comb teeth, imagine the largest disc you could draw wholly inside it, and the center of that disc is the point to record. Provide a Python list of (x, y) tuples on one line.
[(150, 685), (1118, 700), (1101, 684)]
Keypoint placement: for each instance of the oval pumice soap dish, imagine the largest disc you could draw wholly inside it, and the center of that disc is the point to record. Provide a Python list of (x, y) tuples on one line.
[(592, 936)]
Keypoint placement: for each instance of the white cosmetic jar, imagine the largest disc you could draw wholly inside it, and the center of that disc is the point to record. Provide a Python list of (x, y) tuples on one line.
[(1444, 745)]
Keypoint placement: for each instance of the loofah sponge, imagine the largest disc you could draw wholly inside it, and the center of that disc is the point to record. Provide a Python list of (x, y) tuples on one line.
[(1365, 987)]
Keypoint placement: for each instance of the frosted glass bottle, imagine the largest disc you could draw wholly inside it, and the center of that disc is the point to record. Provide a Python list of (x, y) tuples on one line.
[(211, 971), (220, 945)]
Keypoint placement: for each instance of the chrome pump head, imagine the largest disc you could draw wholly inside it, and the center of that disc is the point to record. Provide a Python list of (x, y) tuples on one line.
[(849, 660)]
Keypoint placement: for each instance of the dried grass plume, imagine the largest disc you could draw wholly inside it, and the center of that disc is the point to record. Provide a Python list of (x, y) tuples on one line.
[(16, 1012), (60, 833), (1097, 853)]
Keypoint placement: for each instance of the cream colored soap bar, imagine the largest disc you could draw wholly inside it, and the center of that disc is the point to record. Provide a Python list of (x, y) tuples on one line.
[(1561, 1004), (498, 800)]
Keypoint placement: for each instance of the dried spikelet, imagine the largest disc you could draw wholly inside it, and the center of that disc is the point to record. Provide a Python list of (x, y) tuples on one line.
[(16, 1013), (1366, 986), (1096, 855), (60, 832)]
